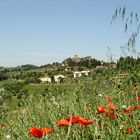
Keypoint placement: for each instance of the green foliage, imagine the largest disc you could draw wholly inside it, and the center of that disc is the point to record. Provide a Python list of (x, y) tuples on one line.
[(32, 80), (88, 63), (128, 63), (3, 76), (46, 105), (13, 87)]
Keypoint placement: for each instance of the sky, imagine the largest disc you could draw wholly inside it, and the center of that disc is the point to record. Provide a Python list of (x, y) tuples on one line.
[(39, 32)]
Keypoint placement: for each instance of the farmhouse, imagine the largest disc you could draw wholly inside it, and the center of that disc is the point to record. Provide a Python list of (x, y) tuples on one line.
[(78, 74), (45, 80), (85, 73), (101, 67), (59, 78)]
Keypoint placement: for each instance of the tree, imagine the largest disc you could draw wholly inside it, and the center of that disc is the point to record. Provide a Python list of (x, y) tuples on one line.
[(3, 75)]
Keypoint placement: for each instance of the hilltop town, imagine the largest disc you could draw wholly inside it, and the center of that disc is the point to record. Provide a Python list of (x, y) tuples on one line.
[(72, 67)]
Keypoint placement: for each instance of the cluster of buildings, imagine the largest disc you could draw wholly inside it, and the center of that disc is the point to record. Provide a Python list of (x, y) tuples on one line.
[(57, 78), (60, 78), (76, 71)]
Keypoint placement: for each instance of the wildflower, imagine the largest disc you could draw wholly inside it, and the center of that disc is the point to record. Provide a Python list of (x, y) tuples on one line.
[(3, 125), (36, 132), (79, 120), (129, 130), (47, 131), (112, 107), (138, 99), (90, 121), (132, 108), (138, 107), (113, 115), (109, 100), (106, 114), (74, 119), (63, 123), (101, 109), (84, 122)]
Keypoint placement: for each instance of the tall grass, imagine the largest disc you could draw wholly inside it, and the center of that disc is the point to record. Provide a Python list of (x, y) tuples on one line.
[(45, 110)]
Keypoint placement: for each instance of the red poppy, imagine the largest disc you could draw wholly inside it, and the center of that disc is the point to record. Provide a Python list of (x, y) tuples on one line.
[(87, 122), (3, 125), (129, 130), (132, 108), (84, 122), (113, 115), (138, 98), (63, 123), (74, 119), (112, 107), (47, 131), (79, 120), (138, 107), (101, 109), (90, 121), (106, 114), (35, 132), (109, 100)]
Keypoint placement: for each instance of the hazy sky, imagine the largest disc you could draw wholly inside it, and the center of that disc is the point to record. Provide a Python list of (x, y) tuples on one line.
[(43, 31)]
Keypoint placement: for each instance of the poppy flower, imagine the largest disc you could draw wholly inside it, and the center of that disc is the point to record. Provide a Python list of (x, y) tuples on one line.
[(79, 120), (84, 122), (131, 108), (138, 107), (35, 132), (47, 131), (112, 107), (90, 121), (138, 98), (113, 115), (3, 125), (106, 114), (74, 119), (109, 100), (129, 130), (63, 123), (101, 109)]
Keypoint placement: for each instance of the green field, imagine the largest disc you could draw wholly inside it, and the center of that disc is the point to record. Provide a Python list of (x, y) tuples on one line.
[(114, 109)]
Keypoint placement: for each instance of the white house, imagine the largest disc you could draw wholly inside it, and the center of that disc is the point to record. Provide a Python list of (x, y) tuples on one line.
[(86, 72), (78, 74), (46, 80), (58, 78)]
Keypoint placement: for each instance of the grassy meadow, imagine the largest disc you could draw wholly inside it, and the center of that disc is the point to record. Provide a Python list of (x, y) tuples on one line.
[(109, 110)]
